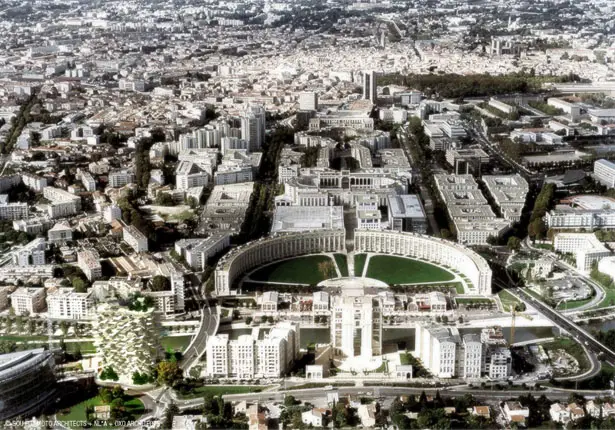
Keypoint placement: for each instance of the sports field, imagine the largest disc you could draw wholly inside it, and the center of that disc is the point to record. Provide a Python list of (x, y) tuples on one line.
[(300, 270), (400, 270)]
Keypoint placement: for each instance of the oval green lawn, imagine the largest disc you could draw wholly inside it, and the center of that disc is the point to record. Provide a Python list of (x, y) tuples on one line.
[(300, 270), (401, 270)]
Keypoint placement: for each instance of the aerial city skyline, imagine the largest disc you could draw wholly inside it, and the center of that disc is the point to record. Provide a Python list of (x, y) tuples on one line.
[(298, 214)]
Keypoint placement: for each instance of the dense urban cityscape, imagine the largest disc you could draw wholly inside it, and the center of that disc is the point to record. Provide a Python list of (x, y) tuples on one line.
[(307, 214)]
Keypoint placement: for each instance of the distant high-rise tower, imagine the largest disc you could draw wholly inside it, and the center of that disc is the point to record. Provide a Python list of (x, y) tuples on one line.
[(369, 86), (308, 101), (253, 126)]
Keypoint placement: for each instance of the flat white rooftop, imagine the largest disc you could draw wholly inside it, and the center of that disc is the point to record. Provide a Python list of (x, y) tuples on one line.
[(307, 218)]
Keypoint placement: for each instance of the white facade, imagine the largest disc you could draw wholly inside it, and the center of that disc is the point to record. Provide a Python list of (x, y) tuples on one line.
[(253, 126), (308, 101), (28, 300), (120, 178), (66, 303), (189, 175), (249, 357), (133, 237), (62, 203), (586, 248), (356, 324), (604, 172), (439, 251), (196, 252), (88, 261), (31, 254)]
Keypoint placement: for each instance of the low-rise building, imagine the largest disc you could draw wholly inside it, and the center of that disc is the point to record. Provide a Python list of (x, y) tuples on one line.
[(586, 248), (406, 213)]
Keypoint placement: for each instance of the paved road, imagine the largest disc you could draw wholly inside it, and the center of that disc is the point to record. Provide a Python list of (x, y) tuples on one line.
[(208, 327), (377, 392), (587, 340)]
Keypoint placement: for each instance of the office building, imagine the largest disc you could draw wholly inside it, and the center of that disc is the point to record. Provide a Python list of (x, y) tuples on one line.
[(307, 218), (370, 86), (406, 213), (253, 126), (586, 248), (509, 193), (27, 383)]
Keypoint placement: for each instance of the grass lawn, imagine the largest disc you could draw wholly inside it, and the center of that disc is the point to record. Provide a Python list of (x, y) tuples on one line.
[(77, 412), (23, 338), (176, 343), (340, 259), (359, 264), (300, 270), (609, 298), (220, 390), (573, 304), (507, 300), (85, 347), (400, 270)]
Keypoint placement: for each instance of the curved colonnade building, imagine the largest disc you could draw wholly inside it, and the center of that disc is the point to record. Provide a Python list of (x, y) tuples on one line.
[(266, 250), (269, 249), (439, 251)]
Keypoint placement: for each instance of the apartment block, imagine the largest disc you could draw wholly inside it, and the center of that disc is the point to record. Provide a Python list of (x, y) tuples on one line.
[(28, 301), (66, 303), (88, 261)]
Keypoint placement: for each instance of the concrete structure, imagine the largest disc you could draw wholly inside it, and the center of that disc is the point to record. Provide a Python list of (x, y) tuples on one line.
[(257, 253), (196, 252), (250, 356), (604, 172), (438, 251), (370, 86), (308, 101), (31, 254), (12, 211), (446, 354), (583, 212), (88, 261), (60, 233), (474, 220), (509, 193), (62, 204), (28, 301), (66, 303), (128, 341), (571, 109), (406, 213), (307, 218), (189, 175), (34, 182), (356, 324), (586, 248), (133, 237), (466, 160), (120, 178), (253, 126), (27, 383)]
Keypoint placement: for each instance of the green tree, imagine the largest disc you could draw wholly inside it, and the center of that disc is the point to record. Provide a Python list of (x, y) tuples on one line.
[(79, 285), (160, 283), (514, 243), (168, 373)]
